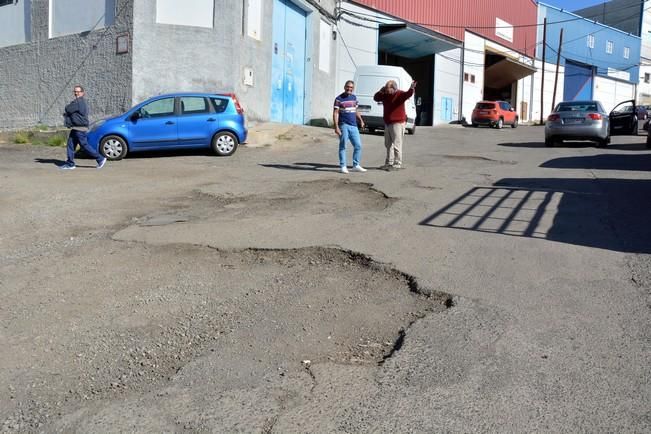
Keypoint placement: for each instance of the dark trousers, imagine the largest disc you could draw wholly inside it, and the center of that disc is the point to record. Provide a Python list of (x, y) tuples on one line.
[(80, 137)]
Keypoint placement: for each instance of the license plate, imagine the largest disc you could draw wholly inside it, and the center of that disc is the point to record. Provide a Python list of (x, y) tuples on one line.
[(573, 120), (364, 108), (483, 112)]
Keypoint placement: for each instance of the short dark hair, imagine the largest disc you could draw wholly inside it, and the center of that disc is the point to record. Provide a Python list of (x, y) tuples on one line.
[(80, 87), (349, 81)]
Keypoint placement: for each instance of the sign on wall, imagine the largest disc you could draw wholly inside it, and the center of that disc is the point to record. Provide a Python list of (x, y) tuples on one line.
[(503, 30), (254, 19)]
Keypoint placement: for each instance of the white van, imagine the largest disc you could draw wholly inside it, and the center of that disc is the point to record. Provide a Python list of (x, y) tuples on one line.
[(371, 78)]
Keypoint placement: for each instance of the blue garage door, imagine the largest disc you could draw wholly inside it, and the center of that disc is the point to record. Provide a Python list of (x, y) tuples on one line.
[(578, 82), (288, 63)]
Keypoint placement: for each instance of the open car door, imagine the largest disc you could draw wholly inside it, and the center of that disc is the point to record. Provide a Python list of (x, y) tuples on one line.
[(623, 118)]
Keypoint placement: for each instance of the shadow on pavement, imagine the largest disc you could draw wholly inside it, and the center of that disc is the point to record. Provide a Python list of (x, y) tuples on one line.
[(542, 145), (52, 161), (612, 214), (303, 166), (638, 162)]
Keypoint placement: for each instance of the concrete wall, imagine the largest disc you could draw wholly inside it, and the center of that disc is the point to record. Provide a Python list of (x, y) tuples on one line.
[(171, 57), (36, 78), (15, 23)]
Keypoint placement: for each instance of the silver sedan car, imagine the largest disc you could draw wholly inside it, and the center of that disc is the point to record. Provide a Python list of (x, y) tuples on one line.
[(578, 120)]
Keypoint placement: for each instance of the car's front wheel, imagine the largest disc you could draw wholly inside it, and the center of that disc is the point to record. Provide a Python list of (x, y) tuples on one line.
[(515, 123), (549, 142), (113, 148), (224, 143), (499, 124)]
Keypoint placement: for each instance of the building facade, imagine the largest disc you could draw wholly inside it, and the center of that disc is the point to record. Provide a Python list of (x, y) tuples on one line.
[(634, 17), (123, 51), (461, 52), (600, 62)]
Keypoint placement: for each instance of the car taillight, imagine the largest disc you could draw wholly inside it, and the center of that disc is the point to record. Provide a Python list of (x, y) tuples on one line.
[(553, 117), (236, 103), (594, 116)]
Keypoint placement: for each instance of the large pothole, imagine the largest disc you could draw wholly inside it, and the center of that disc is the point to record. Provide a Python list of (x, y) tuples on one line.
[(128, 320), (299, 198)]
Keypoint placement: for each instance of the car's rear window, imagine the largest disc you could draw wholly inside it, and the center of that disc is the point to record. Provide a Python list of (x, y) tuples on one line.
[(577, 107), (485, 105), (220, 104)]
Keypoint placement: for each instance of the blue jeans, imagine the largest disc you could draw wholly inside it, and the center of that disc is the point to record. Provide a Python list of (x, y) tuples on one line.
[(80, 137), (349, 132)]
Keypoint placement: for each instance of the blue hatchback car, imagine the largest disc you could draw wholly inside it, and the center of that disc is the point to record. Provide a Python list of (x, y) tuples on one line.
[(173, 121)]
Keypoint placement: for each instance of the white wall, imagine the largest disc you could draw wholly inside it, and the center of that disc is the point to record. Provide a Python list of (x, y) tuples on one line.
[(360, 43), (612, 92), (550, 71), (447, 80), (473, 63), (15, 23), (644, 89)]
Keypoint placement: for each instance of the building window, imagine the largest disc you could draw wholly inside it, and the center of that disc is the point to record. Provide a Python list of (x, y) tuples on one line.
[(88, 15), (472, 78), (647, 77), (466, 76), (194, 13), (590, 41), (610, 45), (627, 52), (6, 2)]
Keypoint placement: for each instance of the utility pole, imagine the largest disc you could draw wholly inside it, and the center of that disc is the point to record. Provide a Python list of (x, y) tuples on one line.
[(558, 61), (542, 82)]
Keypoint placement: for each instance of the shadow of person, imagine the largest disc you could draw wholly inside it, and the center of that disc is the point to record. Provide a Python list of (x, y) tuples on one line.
[(53, 161)]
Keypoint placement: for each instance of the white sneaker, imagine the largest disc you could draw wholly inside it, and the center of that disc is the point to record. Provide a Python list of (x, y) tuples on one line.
[(358, 168), (343, 169)]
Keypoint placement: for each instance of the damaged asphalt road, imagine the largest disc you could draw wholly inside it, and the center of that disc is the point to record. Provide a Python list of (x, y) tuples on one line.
[(493, 285)]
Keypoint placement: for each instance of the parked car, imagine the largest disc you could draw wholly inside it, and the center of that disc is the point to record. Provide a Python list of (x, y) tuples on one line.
[(495, 114), (588, 120), (173, 121)]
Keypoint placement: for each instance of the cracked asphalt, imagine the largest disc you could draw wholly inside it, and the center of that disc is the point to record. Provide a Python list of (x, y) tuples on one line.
[(494, 285)]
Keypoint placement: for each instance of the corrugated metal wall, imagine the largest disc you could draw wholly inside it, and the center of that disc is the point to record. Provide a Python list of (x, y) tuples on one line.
[(450, 17)]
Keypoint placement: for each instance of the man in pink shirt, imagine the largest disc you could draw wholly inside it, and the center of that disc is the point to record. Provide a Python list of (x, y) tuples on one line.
[(395, 118)]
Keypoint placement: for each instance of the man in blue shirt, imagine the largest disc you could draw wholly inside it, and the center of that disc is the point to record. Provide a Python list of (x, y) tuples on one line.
[(345, 117), (76, 118)]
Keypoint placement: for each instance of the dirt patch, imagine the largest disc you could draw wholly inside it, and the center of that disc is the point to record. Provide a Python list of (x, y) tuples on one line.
[(132, 318), (305, 198)]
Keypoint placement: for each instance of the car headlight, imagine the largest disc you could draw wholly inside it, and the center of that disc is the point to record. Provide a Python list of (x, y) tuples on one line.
[(97, 124)]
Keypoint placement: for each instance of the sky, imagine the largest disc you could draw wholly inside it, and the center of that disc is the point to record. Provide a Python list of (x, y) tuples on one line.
[(572, 5)]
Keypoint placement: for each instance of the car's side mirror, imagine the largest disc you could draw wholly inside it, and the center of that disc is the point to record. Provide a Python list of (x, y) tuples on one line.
[(511, 109), (135, 116)]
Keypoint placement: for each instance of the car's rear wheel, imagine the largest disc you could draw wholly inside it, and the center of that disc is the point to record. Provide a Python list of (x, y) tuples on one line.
[(549, 142), (113, 148), (499, 124), (474, 125), (602, 143), (648, 141), (515, 123), (224, 143), (411, 131)]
